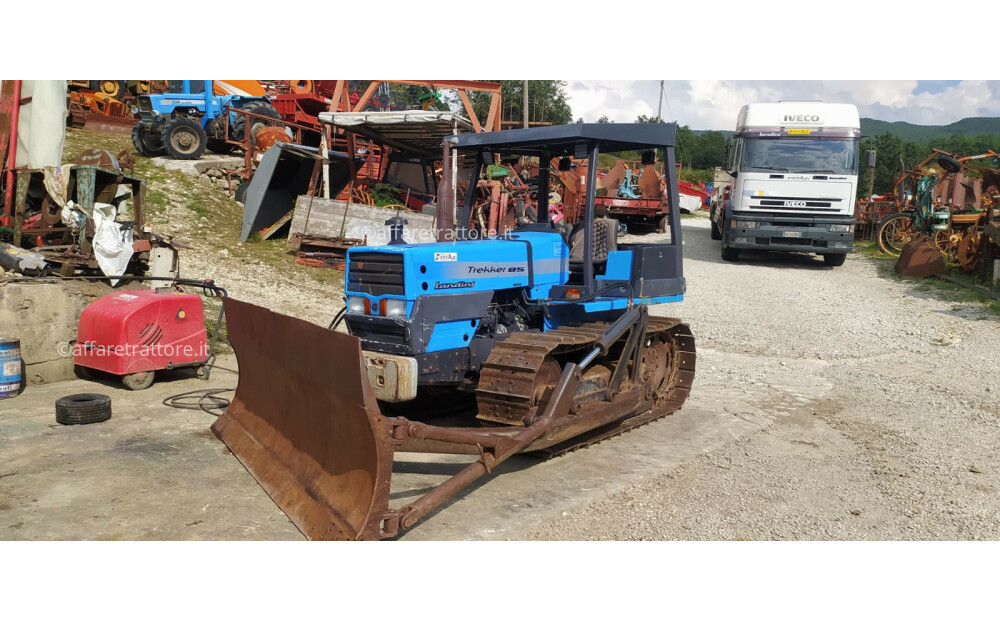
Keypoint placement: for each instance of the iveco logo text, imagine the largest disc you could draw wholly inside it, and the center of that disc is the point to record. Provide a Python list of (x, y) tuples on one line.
[(801, 118), (795, 203)]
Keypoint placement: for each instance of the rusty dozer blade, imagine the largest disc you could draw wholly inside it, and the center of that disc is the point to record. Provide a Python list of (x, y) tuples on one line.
[(920, 258), (305, 422)]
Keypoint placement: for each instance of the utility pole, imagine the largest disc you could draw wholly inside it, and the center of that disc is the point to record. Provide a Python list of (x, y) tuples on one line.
[(525, 104), (659, 108)]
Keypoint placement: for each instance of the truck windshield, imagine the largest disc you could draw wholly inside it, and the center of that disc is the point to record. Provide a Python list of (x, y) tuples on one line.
[(832, 156)]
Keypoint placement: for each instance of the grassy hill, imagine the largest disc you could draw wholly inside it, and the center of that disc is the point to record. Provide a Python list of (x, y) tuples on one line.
[(922, 133)]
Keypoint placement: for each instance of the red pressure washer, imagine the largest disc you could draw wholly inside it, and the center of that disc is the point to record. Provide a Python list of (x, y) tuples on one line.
[(133, 334)]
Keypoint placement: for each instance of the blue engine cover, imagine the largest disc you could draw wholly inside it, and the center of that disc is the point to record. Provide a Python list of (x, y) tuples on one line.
[(456, 279), (535, 261)]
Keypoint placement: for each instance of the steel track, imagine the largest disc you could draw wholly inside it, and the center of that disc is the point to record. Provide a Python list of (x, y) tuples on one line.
[(509, 389)]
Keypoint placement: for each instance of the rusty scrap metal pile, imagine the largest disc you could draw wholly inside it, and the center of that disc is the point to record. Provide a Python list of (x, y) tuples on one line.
[(945, 198)]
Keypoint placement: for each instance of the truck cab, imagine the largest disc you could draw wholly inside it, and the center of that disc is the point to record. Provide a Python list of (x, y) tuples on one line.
[(794, 169)]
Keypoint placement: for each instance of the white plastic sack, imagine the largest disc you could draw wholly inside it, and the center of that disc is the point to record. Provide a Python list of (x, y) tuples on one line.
[(112, 245)]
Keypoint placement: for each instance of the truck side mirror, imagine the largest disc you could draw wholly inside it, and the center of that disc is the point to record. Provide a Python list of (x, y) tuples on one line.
[(871, 158), (726, 159)]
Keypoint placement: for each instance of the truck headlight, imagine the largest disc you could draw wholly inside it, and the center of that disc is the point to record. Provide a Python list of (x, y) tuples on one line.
[(395, 307), (742, 224), (841, 227), (356, 305)]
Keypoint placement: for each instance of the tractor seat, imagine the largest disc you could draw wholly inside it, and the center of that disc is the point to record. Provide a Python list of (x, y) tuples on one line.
[(605, 240)]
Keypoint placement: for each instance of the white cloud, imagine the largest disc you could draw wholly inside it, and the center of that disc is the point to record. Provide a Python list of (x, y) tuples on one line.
[(714, 104)]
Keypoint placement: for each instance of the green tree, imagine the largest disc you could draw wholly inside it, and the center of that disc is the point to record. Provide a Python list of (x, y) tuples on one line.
[(546, 102), (604, 120)]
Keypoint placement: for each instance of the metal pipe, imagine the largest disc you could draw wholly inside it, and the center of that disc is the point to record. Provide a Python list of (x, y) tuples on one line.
[(8, 198), (588, 218), (525, 113), (446, 194)]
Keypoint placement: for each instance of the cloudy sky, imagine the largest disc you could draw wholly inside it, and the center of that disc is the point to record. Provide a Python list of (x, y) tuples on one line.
[(715, 104)]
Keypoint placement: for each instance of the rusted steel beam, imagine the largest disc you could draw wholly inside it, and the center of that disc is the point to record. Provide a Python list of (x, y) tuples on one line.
[(472, 113), (493, 117)]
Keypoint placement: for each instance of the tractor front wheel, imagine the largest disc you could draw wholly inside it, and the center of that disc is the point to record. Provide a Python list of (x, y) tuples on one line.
[(184, 138), (146, 140)]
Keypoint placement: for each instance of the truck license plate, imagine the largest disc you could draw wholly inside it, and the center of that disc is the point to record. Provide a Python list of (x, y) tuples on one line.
[(791, 233)]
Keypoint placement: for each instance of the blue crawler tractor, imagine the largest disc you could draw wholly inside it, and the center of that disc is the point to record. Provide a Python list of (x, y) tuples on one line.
[(524, 342)]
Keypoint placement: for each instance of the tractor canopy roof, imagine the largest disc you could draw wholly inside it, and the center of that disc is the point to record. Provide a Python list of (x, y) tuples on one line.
[(561, 140)]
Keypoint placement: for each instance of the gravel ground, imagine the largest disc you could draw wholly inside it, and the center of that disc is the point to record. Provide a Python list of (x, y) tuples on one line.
[(878, 410), (875, 404)]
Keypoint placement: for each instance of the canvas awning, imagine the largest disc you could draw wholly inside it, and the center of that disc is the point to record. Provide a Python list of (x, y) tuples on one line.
[(415, 131)]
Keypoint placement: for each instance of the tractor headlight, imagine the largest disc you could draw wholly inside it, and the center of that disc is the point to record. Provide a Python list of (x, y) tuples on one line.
[(841, 227), (356, 305), (742, 224), (395, 307)]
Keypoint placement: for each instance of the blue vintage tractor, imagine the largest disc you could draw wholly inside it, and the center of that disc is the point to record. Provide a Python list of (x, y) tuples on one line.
[(529, 341), (188, 118)]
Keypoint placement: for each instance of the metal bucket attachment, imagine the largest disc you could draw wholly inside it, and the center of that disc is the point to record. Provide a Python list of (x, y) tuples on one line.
[(920, 258), (305, 422)]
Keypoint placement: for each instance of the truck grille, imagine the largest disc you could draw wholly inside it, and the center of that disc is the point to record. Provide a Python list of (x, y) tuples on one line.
[(375, 273), (789, 203)]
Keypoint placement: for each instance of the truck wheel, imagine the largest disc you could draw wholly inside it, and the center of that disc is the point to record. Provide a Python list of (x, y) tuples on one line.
[(716, 233), (138, 380), (834, 260), (662, 223), (83, 408), (183, 138), (730, 254), (147, 140)]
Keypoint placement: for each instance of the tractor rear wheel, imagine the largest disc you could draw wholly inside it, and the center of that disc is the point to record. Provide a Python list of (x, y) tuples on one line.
[(146, 140), (116, 89), (238, 126), (184, 138)]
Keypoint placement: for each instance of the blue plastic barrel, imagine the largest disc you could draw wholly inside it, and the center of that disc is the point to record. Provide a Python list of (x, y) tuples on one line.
[(10, 367)]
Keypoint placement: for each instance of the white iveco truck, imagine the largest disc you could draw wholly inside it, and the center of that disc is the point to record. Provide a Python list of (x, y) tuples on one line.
[(794, 169)]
